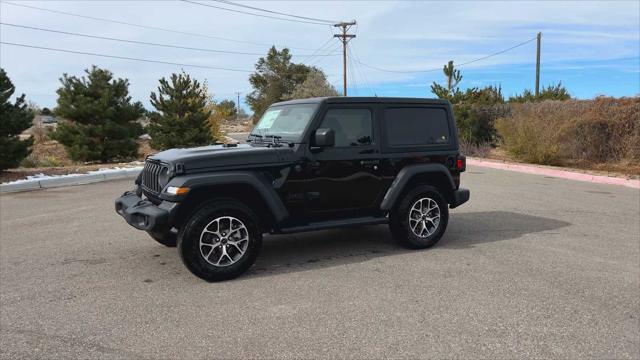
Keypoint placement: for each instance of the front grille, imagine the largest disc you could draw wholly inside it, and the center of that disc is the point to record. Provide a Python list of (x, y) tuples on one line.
[(150, 175)]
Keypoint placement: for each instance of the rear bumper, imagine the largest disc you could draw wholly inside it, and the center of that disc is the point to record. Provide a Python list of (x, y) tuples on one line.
[(143, 214), (460, 197)]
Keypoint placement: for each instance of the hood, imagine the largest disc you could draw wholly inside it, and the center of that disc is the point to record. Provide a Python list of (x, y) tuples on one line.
[(214, 156)]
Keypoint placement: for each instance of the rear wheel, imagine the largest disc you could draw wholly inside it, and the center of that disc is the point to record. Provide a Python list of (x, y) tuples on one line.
[(220, 241), (420, 219), (166, 238)]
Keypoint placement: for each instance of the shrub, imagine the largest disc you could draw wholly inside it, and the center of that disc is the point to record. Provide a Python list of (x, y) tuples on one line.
[(555, 132), (476, 122), (530, 134), (551, 92), (481, 150)]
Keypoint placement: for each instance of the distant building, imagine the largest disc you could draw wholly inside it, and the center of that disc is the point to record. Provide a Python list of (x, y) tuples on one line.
[(45, 120)]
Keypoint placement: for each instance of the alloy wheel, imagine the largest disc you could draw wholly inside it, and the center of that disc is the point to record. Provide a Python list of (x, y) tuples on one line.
[(424, 217), (224, 241)]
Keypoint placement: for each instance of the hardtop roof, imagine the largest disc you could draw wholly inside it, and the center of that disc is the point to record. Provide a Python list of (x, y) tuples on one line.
[(363, 99)]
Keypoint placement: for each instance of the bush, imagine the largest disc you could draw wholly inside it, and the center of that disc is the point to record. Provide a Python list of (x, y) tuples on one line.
[(481, 150), (100, 119), (555, 132), (476, 122), (530, 133)]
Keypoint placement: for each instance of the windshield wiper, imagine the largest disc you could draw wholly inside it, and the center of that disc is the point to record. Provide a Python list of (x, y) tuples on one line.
[(277, 140), (256, 136)]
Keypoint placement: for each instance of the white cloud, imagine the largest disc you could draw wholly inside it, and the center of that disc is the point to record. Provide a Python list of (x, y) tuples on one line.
[(394, 35)]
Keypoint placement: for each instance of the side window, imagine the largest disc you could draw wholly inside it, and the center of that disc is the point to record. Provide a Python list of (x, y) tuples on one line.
[(416, 126), (352, 126)]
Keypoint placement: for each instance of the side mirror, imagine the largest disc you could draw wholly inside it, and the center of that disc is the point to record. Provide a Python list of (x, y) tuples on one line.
[(324, 138)]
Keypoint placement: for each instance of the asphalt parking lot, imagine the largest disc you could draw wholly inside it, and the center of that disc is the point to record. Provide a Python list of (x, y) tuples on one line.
[(530, 267)]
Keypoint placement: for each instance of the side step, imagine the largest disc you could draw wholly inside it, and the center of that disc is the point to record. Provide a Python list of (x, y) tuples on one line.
[(335, 224)]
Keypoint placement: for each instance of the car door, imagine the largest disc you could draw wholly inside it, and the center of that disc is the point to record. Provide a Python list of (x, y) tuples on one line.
[(344, 180)]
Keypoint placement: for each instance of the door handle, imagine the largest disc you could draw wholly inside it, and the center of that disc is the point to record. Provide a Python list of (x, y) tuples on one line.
[(369, 162)]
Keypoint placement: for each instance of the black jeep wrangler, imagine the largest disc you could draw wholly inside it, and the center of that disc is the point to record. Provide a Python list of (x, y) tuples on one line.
[(308, 165)]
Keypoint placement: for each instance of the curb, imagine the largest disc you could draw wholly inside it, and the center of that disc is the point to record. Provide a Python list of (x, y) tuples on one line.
[(68, 180), (557, 173)]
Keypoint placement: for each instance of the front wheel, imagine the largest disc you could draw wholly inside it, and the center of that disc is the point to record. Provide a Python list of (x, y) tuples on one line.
[(420, 219), (220, 241)]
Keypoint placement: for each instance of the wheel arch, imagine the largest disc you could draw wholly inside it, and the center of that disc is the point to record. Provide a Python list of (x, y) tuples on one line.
[(436, 175), (250, 188)]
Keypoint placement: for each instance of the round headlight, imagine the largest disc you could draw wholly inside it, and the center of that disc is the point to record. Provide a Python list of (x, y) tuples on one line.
[(164, 177)]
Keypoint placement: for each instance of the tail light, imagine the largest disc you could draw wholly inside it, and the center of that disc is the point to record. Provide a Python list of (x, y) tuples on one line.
[(461, 163)]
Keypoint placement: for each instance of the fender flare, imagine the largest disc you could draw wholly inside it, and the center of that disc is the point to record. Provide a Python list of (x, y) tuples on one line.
[(405, 175), (253, 179)]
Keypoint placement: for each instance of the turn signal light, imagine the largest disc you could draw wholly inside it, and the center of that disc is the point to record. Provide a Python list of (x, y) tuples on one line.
[(177, 190)]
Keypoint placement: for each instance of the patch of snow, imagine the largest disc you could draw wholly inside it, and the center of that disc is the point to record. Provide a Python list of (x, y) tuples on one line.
[(42, 176)]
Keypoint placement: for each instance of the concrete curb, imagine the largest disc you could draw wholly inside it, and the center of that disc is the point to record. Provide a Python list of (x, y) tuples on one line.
[(558, 173), (68, 180)]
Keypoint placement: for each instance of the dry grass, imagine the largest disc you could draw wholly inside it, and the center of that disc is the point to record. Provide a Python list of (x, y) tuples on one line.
[(595, 134), (481, 150)]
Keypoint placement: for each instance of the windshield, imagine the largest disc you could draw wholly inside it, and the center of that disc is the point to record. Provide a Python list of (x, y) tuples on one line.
[(285, 121)]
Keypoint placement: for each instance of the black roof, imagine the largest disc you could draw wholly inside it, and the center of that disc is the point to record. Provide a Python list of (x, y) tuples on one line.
[(367, 99)]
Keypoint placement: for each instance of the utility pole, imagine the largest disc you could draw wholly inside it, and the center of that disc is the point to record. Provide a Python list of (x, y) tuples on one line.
[(538, 64), (238, 106), (344, 37)]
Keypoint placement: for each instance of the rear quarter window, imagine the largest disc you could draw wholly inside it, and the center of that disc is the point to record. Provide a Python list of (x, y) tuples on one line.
[(416, 126)]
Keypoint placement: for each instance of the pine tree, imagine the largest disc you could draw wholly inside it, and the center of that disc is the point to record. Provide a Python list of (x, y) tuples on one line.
[(453, 79), (182, 113), (14, 119), (100, 121), (275, 78)]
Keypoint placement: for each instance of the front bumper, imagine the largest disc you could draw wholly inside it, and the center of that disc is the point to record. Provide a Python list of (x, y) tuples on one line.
[(460, 197), (143, 214)]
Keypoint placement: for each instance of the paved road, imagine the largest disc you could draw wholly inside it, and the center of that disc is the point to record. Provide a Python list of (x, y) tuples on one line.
[(531, 267)]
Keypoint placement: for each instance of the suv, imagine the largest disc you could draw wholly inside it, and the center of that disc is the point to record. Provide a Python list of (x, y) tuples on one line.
[(308, 165)]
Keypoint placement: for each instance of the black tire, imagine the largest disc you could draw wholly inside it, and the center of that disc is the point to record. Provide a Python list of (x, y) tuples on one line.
[(399, 218), (168, 238), (189, 240)]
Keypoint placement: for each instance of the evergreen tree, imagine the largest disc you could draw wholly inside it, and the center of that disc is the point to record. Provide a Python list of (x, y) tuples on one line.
[(275, 78), (453, 79), (316, 85), (100, 119), (14, 119), (182, 114)]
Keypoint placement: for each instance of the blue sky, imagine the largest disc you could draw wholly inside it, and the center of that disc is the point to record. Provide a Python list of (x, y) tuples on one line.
[(592, 47)]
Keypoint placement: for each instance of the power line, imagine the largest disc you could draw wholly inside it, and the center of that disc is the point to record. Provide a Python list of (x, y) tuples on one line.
[(146, 26), (362, 74), (276, 12), (320, 60), (499, 52), (254, 14), (150, 43), (130, 58), (326, 47), (438, 69), (124, 57)]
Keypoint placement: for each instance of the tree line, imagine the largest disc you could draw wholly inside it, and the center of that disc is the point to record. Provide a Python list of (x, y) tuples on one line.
[(477, 109), (101, 123)]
